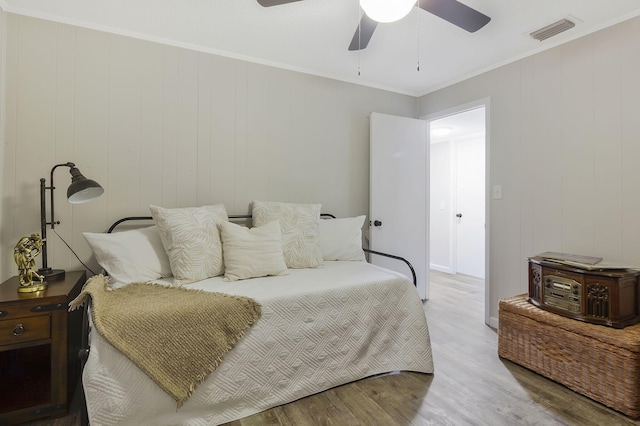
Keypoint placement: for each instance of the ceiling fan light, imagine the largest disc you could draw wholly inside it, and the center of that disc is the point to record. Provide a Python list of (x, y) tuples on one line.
[(387, 10)]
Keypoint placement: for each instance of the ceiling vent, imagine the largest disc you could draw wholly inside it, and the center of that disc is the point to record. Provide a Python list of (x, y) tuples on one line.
[(553, 29)]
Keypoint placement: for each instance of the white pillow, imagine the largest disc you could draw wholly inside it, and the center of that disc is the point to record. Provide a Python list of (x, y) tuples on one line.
[(341, 239), (299, 225), (191, 239), (251, 253), (131, 256)]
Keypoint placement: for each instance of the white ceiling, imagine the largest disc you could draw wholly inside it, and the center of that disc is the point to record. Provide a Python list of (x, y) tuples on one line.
[(312, 36)]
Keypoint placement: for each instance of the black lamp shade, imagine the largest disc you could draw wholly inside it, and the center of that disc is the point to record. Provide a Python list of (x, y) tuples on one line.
[(82, 189)]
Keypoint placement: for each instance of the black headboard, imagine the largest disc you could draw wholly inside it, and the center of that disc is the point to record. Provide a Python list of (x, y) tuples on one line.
[(232, 217)]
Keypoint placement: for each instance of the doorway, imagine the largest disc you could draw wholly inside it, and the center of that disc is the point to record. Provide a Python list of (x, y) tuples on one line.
[(457, 144), (459, 207)]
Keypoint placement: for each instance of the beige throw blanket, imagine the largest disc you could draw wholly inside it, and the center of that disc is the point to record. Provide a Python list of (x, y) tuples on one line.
[(175, 335)]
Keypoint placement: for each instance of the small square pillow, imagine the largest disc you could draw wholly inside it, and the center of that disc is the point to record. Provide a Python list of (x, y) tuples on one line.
[(341, 239), (131, 256), (252, 253), (191, 238), (299, 225)]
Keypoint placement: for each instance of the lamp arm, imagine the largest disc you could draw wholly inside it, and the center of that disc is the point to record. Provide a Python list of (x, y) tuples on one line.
[(43, 223), (53, 223), (43, 215)]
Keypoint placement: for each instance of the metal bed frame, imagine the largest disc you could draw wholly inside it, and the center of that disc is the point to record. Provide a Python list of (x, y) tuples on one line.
[(248, 216)]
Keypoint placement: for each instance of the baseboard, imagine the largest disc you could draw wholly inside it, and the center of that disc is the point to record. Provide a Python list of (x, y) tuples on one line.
[(493, 322), (440, 268)]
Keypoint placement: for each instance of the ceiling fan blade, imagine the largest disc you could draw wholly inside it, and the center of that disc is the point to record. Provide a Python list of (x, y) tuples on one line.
[(269, 3), (363, 33), (457, 13)]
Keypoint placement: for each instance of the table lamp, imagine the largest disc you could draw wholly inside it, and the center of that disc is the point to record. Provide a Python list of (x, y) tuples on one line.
[(80, 191)]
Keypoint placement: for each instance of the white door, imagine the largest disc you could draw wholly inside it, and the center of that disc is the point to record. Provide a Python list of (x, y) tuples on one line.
[(470, 193), (399, 195)]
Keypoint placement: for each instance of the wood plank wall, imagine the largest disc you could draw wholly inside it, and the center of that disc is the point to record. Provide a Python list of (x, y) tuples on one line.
[(156, 124), (565, 146)]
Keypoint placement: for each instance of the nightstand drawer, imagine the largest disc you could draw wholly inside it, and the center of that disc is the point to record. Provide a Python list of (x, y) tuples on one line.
[(18, 311), (26, 329)]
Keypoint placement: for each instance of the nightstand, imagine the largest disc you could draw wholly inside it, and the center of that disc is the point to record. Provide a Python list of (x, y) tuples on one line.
[(39, 343)]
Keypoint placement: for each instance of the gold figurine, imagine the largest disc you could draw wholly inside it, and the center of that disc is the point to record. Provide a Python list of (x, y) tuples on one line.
[(24, 254)]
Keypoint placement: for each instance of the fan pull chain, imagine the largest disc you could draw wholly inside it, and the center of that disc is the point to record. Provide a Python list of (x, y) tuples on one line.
[(418, 29), (359, 50), (359, 32)]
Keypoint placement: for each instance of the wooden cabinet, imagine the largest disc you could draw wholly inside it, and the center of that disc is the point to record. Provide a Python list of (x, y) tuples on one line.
[(39, 343)]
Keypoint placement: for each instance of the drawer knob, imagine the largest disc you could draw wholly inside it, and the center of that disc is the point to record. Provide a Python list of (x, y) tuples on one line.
[(18, 330)]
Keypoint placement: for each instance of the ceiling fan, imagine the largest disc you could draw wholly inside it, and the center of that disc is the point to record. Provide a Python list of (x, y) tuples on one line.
[(459, 14)]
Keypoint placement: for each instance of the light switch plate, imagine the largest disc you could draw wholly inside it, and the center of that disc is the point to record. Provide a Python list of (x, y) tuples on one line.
[(497, 192)]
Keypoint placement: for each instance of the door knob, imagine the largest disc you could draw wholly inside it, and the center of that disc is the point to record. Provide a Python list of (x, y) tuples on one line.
[(459, 215), (377, 223)]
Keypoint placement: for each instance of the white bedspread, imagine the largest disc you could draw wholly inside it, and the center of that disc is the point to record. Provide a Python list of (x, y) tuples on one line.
[(319, 328)]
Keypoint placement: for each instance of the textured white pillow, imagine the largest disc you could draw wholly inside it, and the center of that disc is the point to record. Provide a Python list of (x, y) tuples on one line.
[(191, 239), (299, 225), (251, 253), (131, 256), (341, 239)]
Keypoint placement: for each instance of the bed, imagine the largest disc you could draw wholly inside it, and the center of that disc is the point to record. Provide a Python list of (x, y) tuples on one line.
[(320, 327)]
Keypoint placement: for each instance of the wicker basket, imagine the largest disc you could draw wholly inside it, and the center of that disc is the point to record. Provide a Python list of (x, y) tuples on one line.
[(599, 362)]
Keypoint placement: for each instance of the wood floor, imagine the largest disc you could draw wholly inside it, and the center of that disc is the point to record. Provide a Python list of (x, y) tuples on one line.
[(471, 384)]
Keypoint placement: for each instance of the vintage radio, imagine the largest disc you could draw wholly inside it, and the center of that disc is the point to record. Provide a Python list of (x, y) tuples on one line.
[(606, 297)]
